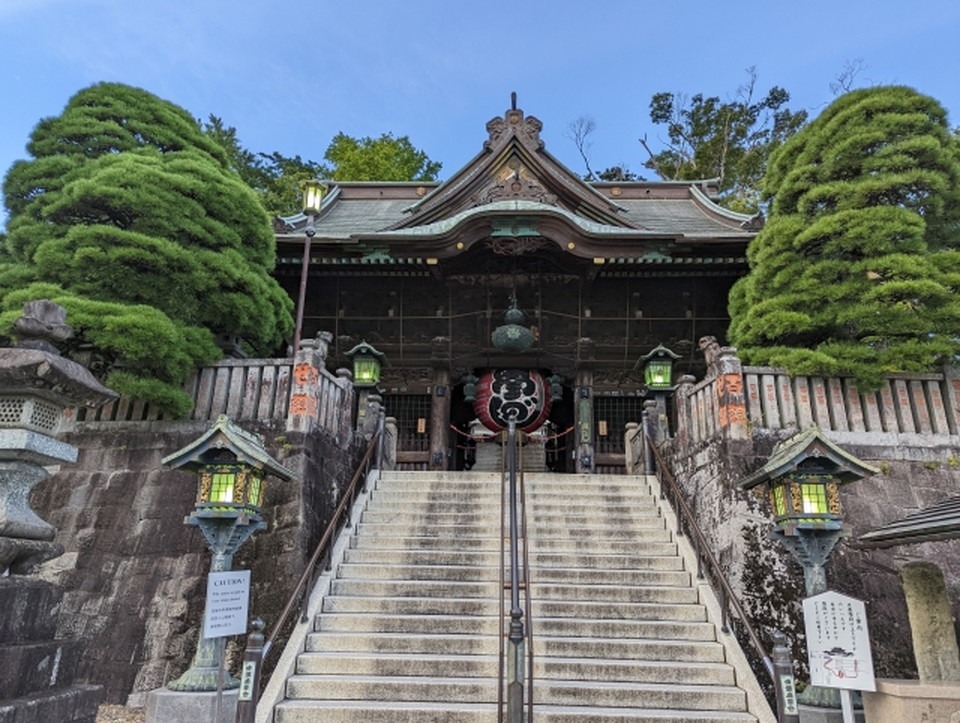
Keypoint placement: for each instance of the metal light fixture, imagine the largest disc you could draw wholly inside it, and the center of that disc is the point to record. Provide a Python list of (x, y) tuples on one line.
[(312, 192), (231, 465), (366, 364), (658, 367)]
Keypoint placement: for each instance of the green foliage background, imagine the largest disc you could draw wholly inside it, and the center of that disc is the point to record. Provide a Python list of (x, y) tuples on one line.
[(130, 217), (857, 270)]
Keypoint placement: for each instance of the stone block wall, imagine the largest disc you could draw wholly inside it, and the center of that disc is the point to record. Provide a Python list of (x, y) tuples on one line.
[(134, 575), (771, 582)]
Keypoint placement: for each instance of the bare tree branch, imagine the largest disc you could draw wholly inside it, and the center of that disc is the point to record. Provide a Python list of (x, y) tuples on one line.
[(579, 131)]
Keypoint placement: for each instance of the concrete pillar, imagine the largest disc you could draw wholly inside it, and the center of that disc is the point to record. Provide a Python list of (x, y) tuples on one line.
[(931, 622), (440, 419)]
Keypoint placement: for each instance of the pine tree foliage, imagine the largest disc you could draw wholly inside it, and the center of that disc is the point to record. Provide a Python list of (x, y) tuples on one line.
[(129, 216), (857, 271)]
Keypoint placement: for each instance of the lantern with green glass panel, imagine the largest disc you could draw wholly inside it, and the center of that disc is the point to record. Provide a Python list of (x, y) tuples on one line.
[(658, 367), (366, 364), (803, 477), (231, 465)]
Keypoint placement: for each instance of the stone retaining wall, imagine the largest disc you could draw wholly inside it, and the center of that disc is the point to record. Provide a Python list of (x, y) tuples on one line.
[(134, 574)]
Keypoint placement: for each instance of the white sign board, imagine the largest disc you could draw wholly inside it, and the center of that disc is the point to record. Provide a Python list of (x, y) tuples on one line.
[(228, 602), (838, 643)]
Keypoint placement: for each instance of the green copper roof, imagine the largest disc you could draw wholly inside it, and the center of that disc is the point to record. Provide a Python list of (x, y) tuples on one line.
[(224, 434), (810, 444)]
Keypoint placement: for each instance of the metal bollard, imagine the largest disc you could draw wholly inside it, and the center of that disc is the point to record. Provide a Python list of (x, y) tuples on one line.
[(250, 674), (783, 680)]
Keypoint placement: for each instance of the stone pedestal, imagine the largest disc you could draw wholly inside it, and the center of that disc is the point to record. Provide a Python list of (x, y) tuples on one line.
[(170, 706), (37, 672), (815, 714), (910, 701)]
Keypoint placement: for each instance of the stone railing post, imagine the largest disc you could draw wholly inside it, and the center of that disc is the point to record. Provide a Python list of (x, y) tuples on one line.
[(345, 380), (731, 402), (633, 448), (390, 443), (308, 362), (681, 401)]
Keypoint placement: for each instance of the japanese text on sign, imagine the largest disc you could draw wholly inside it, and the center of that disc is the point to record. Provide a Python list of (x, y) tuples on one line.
[(838, 643)]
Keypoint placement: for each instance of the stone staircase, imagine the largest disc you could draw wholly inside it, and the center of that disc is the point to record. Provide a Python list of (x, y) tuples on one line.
[(409, 629)]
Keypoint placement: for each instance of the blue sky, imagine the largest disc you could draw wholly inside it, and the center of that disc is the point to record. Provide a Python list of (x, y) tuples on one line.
[(290, 75)]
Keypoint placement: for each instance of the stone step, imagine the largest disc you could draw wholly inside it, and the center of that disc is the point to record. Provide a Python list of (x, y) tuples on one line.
[(582, 577), (348, 711), (607, 714), (644, 541), (358, 711), (437, 665), (418, 518), (402, 571), (619, 629), (415, 556), (600, 562), (676, 651), (390, 540), (424, 643), (545, 668), (393, 529), (344, 603), (410, 624), (689, 697), (393, 688), (613, 594), (418, 588)]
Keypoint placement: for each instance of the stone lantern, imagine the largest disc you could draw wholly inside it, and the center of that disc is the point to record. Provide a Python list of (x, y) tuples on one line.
[(38, 391)]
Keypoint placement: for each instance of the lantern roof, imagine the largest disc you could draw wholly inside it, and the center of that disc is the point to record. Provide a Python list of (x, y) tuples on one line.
[(224, 434), (809, 451), (659, 351), (931, 524), (364, 348)]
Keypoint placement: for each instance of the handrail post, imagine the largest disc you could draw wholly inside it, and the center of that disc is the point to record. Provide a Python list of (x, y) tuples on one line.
[(784, 684), (250, 674), (515, 656)]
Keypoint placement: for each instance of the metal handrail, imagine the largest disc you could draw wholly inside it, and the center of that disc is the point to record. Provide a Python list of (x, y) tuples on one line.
[(301, 591), (717, 578), (519, 634)]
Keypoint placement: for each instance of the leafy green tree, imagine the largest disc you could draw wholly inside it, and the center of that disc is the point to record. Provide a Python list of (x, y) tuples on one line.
[(728, 140), (129, 216), (857, 269), (377, 159), (276, 178)]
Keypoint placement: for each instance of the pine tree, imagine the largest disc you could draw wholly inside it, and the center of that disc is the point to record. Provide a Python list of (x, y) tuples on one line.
[(129, 216), (857, 271)]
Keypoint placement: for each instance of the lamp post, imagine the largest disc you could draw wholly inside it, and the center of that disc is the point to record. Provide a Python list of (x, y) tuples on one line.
[(231, 465), (313, 192), (803, 478)]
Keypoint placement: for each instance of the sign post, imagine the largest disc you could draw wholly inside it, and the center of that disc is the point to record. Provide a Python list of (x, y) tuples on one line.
[(228, 602), (838, 645)]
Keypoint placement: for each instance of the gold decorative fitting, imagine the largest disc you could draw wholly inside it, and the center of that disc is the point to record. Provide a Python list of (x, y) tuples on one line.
[(421, 190), (616, 191)]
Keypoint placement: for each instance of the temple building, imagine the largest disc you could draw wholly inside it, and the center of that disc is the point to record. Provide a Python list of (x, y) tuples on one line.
[(515, 290)]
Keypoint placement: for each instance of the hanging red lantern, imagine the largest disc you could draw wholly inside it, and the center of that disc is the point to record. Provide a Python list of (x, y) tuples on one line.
[(518, 395)]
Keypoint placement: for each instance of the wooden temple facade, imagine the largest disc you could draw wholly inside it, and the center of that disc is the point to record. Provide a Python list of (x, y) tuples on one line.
[(602, 272)]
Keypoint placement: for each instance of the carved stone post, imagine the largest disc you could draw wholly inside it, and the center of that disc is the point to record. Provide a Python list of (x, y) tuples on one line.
[(345, 380), (390, 443), (305, 389), (731, 402), (931, 622)]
